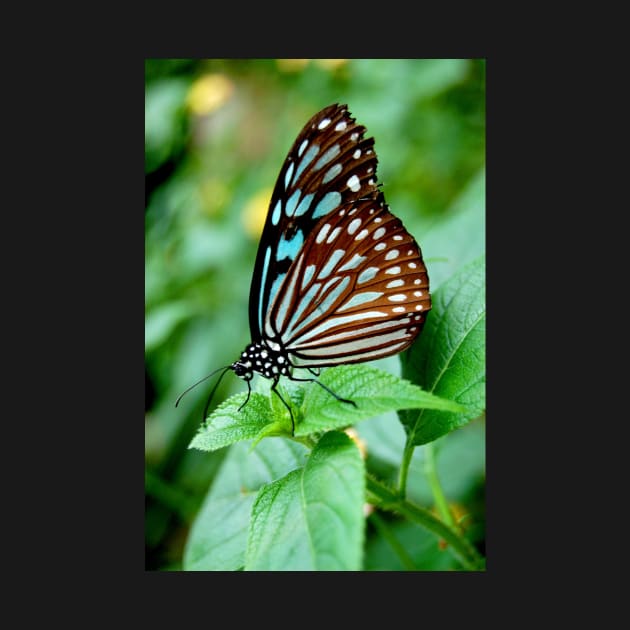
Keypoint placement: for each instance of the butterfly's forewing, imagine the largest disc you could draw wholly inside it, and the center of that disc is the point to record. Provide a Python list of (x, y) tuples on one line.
[(358, 289), (329, 166)]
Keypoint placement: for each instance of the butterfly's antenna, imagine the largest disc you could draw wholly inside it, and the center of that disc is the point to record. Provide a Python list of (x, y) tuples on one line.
[(214, 389), (201, 381)]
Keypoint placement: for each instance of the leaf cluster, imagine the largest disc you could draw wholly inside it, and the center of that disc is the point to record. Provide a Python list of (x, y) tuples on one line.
[(303, 509)]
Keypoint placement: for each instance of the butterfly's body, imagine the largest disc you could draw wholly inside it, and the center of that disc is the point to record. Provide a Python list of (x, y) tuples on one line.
[(259, 357), (337, 278)]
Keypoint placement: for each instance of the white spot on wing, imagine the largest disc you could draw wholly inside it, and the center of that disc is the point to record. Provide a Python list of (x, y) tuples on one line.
[(392, 254), (361, 235), (333, 235), (340, 126), (354, 262), (399, 297), (357, 332), (380, 246), (322, 233), (395, 283), (334, 322), (354, 226), (302, 147), (367, 274), (354, 184), (324, 123), (277, 211), (327, 157), (378, 234), (288, 175), (357, 154), (331, 173), (393, 270), (360, 298), (398, 309), (331, 263), (308, 274)]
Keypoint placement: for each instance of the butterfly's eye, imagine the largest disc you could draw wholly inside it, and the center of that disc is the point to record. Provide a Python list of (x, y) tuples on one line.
[(243, 369)]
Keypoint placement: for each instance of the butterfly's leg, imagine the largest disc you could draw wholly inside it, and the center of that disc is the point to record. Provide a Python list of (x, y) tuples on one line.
[(284, 402), (313, 372), (214, 389), (249, 391), (330, 391)]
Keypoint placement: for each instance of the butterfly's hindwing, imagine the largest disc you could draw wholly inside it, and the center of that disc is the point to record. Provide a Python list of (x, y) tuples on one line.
[(357, 291), (329, 165)]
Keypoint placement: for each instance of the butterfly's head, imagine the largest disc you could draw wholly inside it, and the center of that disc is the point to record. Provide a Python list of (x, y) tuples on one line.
[(243, 369)]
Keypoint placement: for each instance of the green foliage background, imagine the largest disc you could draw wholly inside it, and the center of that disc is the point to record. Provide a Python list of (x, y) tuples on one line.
[(216, 134)]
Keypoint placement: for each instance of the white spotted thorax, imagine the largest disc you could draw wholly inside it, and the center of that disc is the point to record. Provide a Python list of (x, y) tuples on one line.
[(260, 358), (337, 277)]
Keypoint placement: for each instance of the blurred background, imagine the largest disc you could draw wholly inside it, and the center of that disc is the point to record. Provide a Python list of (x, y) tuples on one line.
[(216, 134)]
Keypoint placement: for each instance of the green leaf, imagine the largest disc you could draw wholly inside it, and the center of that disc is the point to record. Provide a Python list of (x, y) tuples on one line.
[(372, 390), (312, 519), (449, 357), (226, 424), (218, 537)]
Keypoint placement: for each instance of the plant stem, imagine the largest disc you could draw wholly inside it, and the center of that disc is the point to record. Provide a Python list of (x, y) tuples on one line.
[(307, 440), (438, 495), (404, 469), (388, 499), (385, 531)]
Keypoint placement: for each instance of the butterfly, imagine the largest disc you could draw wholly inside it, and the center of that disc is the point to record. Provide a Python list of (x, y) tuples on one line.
[(337, 278)]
